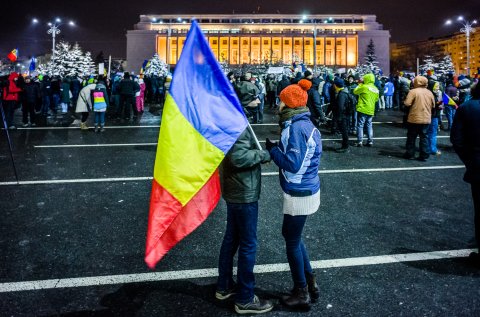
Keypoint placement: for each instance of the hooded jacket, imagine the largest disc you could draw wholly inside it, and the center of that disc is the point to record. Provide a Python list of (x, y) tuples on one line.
[(368, 95), (12, 91), (421, 102), (240, 172)]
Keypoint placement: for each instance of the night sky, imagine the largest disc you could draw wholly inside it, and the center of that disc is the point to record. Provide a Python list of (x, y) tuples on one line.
[(102, 25)]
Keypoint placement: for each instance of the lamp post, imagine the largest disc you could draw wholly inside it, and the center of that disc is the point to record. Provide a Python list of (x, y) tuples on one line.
[(54, 30), (468, 28)]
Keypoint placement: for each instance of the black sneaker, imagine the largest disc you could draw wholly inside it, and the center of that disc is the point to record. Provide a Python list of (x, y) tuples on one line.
[(358, 144), (369, 144), (225, 294), (256, 306)]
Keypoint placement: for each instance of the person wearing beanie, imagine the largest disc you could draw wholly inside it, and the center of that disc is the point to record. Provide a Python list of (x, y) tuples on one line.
[(298, 158), (368, 95), (308, 75)]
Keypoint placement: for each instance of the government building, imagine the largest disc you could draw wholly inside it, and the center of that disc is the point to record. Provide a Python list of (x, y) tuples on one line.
[(337, 41)]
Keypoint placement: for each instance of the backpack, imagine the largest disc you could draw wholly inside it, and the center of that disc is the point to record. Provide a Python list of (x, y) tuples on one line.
[(99, 103)]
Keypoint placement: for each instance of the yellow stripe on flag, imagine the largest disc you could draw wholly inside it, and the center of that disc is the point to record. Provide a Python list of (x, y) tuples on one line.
[(185, 159)]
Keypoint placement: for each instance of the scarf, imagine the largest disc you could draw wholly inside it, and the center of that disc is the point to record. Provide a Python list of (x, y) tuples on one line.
[(288, 113)]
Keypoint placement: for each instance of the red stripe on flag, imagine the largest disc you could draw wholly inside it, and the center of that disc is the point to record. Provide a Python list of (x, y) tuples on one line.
[(169, 223)]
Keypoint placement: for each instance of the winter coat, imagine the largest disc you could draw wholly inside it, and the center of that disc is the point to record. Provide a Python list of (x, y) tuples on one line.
[(389, 89), (246, 92), (128, 87), (46, 87), (465, 137), (314, 103), (240, 171), (421, 102), (65, 92), (84, 102), (56, 86), (452, 92), (284, 83), (12, 91), (367, 94), (340, 110), (298, 156), (31, 93), (438, 95), (99, 97)]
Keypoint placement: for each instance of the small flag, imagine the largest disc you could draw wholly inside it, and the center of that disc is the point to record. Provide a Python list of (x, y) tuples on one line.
[(12, 56), (202, 119), (448, 101), (32, 65)]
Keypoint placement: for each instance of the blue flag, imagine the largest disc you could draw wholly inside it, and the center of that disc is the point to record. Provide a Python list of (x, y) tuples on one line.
[(32, 64)]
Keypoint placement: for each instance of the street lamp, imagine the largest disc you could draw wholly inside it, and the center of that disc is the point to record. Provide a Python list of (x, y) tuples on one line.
[(467, 29), (54, 30)]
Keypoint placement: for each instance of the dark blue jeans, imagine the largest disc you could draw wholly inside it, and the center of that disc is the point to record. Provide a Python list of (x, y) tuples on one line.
[(296, 252), (241, 235), (450, 113)]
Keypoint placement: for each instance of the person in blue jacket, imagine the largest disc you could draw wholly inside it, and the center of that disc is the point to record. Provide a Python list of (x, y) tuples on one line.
[(298, 157)]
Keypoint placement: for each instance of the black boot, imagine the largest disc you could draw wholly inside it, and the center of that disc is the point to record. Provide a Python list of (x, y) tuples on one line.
[(298, 299), (312, 286)]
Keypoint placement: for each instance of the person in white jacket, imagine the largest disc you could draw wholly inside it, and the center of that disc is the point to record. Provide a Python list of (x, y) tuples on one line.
[(84, 104)]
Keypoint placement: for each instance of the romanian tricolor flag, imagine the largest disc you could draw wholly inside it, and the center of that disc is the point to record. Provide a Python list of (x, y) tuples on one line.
[(201, 120), (447, 101), (12, 56)]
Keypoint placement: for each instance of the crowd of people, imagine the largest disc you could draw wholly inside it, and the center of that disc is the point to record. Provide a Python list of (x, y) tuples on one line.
[(345, 104), (303, 104), (40, 97)]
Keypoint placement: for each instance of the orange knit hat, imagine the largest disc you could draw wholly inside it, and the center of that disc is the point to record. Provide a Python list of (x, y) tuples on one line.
[(296, 95)]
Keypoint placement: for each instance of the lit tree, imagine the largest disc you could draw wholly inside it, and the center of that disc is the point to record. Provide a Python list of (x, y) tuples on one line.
[(156, 67), (428, 64), (445, 66), (371, 63), (68, 61)]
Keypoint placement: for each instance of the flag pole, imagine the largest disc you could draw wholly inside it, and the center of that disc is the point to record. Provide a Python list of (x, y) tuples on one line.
[(254, 137), (9, 141)]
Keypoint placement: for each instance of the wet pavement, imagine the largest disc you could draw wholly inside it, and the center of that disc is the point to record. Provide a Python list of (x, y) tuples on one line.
[(96, 228)]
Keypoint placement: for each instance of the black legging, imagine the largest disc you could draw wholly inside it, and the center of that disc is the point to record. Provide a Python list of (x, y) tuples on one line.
[(85, 116)]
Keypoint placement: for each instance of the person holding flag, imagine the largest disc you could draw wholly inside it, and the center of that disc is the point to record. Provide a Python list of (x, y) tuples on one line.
[(241, 184), (450, 99), (202, 120)]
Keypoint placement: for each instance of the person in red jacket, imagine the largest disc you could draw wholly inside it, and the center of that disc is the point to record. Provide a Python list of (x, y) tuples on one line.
[(11, 97)]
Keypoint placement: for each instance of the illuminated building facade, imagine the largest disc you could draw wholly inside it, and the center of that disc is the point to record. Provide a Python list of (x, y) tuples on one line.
[(454, 45), (338, 41)]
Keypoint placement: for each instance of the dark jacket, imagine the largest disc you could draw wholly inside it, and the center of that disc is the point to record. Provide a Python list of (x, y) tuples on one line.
[(128, 87), (314, 103), (46, 87), (65, 91), (340, 109), (298, 155), (246, 92), (465, 137), (241, 172), (284, 83), (31, 93)]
